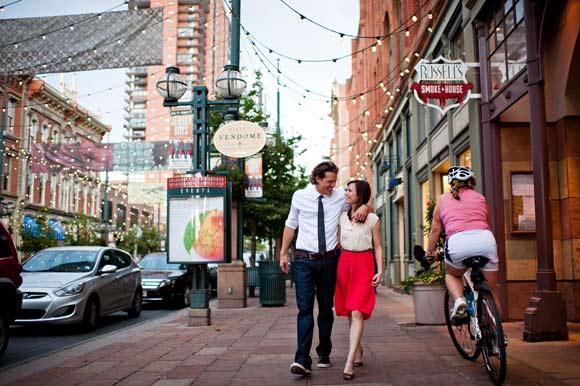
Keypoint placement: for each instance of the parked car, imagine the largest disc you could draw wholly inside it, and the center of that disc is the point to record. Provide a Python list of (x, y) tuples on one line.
[(10, 280), (69, 285), (163, 281)]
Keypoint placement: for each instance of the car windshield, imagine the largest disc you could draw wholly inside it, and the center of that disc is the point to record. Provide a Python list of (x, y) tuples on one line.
[(61, 261), (158, 261)]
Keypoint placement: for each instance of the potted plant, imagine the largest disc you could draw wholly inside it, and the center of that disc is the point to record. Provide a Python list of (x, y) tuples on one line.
[(427, 286)]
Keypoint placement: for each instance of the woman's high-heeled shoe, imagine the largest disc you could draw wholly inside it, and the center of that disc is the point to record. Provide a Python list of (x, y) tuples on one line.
[(348, 376), (359, 363)]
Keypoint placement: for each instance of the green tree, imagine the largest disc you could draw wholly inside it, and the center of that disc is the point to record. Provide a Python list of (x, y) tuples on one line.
[(150, 240), (280, 179), (83, 230), (36, 239)]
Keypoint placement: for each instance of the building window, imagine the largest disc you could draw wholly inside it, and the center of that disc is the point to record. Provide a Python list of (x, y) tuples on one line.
[(506, 43), (148, 218), (30, 184), (420, 123), (133, 217), (10, 116), (121, 215), (6, 175), (32, 134), (380, 177), (41, 189), (399, 143), (44, 132), (64, 195), (53, 184), (408, 133), (464, 158)]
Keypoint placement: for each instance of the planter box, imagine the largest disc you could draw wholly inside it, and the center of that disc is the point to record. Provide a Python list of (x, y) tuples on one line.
[(428, 302)]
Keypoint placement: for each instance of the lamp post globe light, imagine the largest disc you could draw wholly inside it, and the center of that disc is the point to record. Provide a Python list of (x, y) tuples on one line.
[(230, 83), (171, 86)]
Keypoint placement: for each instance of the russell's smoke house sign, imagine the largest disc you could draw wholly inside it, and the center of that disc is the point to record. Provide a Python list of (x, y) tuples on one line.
[(444, 80)]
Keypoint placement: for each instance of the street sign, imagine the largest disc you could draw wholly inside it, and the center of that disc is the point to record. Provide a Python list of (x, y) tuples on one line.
[(442, 79), (239, 139), (197, 220)]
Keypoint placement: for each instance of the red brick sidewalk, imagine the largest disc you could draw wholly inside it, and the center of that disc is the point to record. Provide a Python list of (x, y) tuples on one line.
[(255, 346)]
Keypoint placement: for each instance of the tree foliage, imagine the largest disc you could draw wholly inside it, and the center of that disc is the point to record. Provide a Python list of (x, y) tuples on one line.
[(83, 230), (36, 239), (281, 177), (150, 240)]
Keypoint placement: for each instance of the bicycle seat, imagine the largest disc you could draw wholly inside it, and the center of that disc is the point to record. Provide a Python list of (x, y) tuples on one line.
[(476, 262)]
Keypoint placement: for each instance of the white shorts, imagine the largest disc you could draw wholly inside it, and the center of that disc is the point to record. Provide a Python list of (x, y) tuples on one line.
[(473, 242)]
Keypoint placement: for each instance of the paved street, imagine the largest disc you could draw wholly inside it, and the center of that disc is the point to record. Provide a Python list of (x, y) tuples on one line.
[(255, 345), (31, 341)]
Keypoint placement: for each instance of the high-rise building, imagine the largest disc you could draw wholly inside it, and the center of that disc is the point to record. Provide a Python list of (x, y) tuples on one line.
[(196, 38)]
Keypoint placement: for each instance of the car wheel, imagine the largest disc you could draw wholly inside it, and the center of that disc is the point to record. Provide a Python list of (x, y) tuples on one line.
[(4, 334), (91, 316), (136, 305)]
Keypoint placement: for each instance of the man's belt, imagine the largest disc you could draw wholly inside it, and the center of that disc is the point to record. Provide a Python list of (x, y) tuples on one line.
[(315, 256)]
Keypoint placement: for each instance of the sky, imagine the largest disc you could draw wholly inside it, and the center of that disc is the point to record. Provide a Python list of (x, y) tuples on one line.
[(272, 24)]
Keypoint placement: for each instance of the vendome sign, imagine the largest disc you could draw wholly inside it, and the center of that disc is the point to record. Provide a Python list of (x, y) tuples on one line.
[(239, 139), (442, 79)]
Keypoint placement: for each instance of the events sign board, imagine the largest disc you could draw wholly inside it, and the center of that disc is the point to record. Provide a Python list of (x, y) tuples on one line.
[(196, 208)]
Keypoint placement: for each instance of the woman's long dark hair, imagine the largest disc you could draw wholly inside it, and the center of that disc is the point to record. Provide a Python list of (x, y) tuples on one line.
[(363, 192)]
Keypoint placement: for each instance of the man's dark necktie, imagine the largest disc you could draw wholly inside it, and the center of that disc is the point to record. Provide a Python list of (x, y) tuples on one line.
[(321, 231)]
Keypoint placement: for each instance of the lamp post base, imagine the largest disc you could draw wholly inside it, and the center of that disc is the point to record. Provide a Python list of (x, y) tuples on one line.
[(232, 285), (199, 317), (545, 317)]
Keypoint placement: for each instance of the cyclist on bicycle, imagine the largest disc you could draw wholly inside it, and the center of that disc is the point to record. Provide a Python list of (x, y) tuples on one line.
[(463, 213)]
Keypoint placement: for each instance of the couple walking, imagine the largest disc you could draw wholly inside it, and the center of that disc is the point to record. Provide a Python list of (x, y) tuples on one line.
[(329, 218)]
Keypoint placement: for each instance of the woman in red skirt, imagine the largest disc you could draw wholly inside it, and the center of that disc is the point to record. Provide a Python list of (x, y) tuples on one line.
[(354, 296)]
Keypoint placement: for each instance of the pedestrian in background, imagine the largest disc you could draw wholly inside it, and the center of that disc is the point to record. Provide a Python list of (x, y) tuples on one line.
[(314, 211), (356, 278)]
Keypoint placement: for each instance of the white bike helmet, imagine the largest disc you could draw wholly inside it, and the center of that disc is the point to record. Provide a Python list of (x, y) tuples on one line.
[(461, 173)]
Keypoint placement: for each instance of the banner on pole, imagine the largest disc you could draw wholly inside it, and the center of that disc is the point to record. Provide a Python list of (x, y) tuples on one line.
[(254, 172)]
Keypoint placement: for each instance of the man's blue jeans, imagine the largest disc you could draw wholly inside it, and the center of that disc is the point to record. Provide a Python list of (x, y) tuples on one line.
[(314, 278)]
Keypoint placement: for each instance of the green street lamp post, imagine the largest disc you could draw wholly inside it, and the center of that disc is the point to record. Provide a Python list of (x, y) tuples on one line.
[(230, 86)]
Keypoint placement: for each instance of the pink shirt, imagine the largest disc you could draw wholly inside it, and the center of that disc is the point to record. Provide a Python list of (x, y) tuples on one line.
[(470, 212)]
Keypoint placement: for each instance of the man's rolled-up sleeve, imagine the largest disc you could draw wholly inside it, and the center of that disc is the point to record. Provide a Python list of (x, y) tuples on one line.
[(292, 220)]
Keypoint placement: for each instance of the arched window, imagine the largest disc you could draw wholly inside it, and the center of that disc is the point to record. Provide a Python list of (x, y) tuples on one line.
[(389, 42), (32, 134), (44, 133)]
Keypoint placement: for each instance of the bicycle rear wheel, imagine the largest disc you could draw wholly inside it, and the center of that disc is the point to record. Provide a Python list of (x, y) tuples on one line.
[(493, 345), (462, 332)]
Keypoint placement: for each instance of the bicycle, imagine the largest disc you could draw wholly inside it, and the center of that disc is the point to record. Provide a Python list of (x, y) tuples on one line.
[(481, 331)]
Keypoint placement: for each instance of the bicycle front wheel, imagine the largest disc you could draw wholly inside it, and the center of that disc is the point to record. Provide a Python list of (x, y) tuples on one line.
[(493, 344), (462, 332)]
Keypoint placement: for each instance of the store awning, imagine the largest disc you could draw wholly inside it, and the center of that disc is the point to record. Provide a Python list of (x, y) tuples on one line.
[(59, 232), (30, 225)]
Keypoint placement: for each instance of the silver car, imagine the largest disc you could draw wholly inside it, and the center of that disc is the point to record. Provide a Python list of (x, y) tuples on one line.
[(67, 285)]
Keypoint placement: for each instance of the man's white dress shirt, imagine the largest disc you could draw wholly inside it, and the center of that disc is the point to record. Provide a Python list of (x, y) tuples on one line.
[(304, 216)]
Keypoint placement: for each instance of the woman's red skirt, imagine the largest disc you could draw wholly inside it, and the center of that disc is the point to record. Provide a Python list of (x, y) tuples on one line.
[(354, 291)]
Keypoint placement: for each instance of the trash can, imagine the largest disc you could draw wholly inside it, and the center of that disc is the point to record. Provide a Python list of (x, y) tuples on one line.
[(272, 284)]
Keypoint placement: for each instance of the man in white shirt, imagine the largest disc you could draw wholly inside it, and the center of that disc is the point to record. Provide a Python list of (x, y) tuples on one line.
[(315, 211)]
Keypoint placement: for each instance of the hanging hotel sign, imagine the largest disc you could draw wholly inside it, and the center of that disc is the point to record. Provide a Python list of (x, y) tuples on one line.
[(443, 80), (239, 139)]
